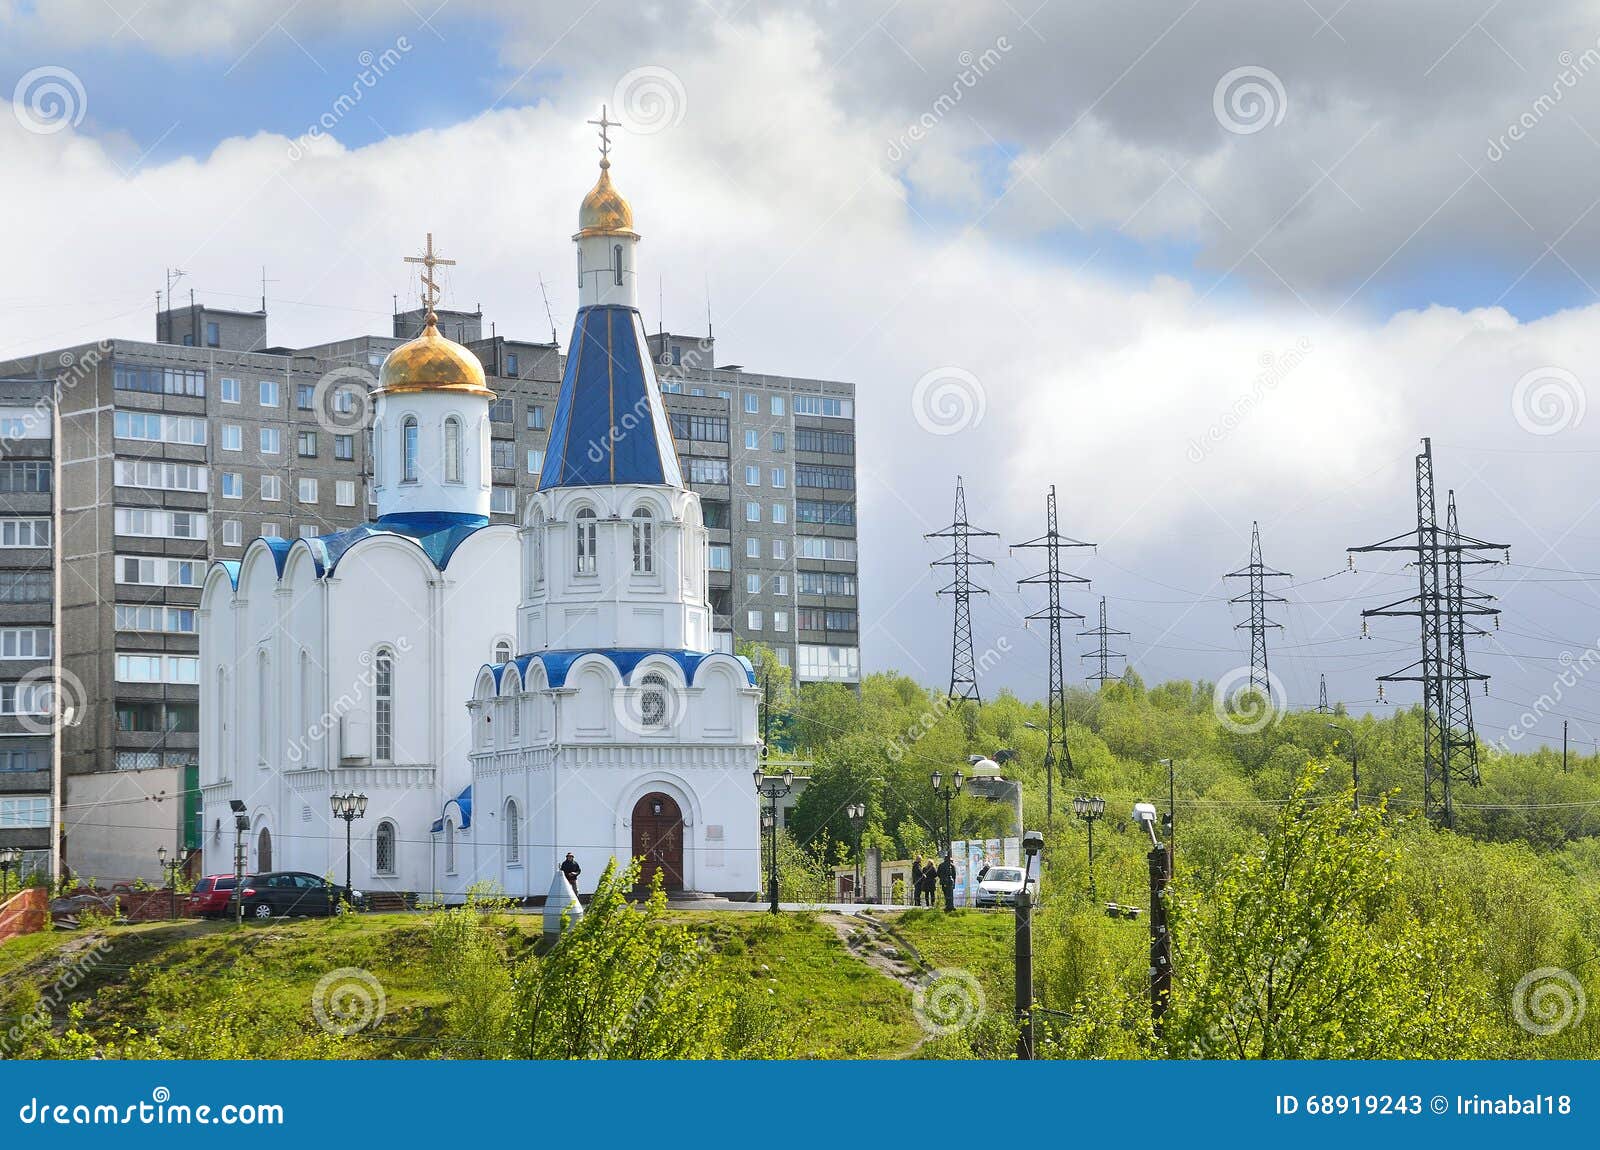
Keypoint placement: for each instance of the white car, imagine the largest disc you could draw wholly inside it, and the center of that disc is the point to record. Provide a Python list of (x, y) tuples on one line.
[(999, 886)]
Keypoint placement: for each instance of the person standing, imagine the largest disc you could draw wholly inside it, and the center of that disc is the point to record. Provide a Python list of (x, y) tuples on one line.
[(572, 870), (947, 880), (916, 881)]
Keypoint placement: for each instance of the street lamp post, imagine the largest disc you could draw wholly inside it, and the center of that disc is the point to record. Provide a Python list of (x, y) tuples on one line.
[(947, 793), (772, 789), (170, 872), (857, 813), (10, 860), (348, 807), (1032, 843), (1090, 808)]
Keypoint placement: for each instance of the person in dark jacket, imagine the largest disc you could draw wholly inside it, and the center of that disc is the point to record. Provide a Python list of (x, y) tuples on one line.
[(572, 870), (947, 880), (918, 879)]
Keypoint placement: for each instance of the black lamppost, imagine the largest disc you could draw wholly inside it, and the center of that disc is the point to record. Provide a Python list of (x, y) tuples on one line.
[(1089, 808), (10, 860), (772, 789), (348, 807), (1032, 843), (170, 871), (947, 793), (857, 813)]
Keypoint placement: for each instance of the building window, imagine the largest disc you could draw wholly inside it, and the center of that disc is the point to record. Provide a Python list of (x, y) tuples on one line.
[(25, 643), (452, 450), (502, 454), (344, 447), (822, 405), (308, 444), (752, 511), (27, 477), (308, 490), (753, 620), (752, 475), (780, 513), (513, 834), (780, 477), (449, 846), (232, 485), (780, 549), (752, 440), (503, 500), (308, 530), (305, 396), (653, 700), (536, 576), (536, 417), (511, 364), (232, 533), (502, 651), (535, 461), (780, 584), (502, 410), (752, 548), (269, 393), (587, 542), (644, 542), (408, 462), (752, 403), (269, 530), (778, 441), (271, 441), (28, 812), (232, 437), (383, 849), (230, 389), (780, 620), (752, 583), (707, 470), (616, 264), (344, 492), (719, 557), (777, 405), (271, 488), (383, 705), (783, 656)]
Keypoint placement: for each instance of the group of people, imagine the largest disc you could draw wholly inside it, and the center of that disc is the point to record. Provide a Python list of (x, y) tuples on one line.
[(926, 876)]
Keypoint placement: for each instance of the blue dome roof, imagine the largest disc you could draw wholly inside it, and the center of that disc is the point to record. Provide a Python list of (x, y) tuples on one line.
[(609, 425)]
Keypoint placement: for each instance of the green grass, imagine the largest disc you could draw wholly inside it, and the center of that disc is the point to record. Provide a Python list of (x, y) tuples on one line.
[(980, 942)]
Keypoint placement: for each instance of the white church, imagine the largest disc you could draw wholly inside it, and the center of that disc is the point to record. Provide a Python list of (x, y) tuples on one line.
[(501, 695)]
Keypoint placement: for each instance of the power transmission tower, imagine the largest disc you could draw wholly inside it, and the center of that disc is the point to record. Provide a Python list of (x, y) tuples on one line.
[(1441, 605), (1258, 598), (1100, 654), (963, 671), (1052, 578), (1322, 695)]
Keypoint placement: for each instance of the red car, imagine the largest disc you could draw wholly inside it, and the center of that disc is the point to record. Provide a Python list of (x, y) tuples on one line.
[(212, 896)]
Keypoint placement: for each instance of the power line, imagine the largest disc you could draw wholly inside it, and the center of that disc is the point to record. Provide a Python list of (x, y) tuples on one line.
[(1100, 654), (1257, 597), (963, 670)]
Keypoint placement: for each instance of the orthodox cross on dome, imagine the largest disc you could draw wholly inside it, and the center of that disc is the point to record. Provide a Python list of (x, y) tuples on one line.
[(430, 288), (605, 138)]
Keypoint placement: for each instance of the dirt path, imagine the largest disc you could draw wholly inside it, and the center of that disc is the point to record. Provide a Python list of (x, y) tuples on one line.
[(881, 947)]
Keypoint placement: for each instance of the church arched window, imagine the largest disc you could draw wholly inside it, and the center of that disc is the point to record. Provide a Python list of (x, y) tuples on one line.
[(263, 708), (408, 449), (452, 450), (513, 833), (383, 705), (449, 846), (514, 707), (378, 469), (653, 700), (536, 576), (502, 651), (302, 725), (616, 258), (588, 540), (644, 542), (224, 724), (383, 849)]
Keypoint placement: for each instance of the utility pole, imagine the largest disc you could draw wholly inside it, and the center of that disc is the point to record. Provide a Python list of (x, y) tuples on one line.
[(1052, 578), (1100, 654), (1322, 695), (963, 670), (1564, 766), (1257, 597), (1449, 744)]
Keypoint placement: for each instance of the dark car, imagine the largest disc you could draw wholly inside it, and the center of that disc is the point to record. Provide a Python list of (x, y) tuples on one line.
[(212, 896), (279, 893)]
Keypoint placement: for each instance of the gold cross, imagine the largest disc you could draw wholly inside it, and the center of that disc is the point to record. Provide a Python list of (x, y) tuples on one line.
[(429, 261), (605, 139)]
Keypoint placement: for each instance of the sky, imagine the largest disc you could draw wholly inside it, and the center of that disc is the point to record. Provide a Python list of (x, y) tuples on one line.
[(1197, 265)]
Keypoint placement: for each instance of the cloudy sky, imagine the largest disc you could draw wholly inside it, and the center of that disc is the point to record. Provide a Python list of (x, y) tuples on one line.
[(1196, 264)]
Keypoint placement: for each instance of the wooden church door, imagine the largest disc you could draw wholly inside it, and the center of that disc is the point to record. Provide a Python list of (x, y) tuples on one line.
[(658, 840)]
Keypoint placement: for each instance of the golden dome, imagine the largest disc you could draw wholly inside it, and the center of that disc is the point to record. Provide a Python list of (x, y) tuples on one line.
[(604, 212), (431, 363)]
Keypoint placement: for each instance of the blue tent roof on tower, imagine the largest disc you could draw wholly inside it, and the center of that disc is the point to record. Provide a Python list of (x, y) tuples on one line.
[(609, 425)]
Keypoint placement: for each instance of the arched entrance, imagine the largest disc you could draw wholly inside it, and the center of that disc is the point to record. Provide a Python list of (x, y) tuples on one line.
[(263, 851), (658, 840)]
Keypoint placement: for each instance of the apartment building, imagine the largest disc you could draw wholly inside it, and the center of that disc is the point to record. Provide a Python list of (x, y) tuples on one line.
[(182, 450)]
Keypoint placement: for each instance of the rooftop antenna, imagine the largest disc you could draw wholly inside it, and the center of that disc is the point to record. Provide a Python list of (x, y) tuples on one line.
[(264, 282), (709, 334), (548, 314), (661, 330), (173, 276)]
